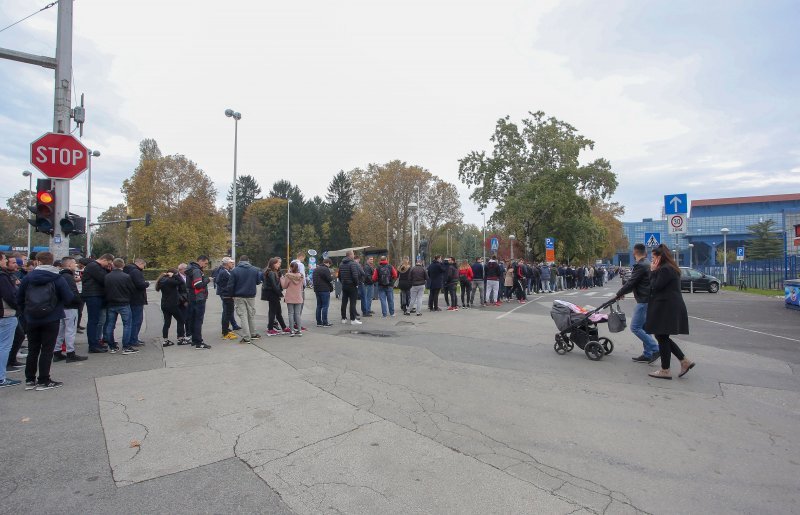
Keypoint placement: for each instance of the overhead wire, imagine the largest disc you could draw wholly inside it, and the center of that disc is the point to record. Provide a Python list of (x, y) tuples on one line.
[(48, 6)]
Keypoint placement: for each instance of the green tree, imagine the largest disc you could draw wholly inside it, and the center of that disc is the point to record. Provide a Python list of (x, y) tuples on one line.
[(111, 238), (767, 243), (247, 191), (15, 221), (339, 210), (263, 230), (540, 188)]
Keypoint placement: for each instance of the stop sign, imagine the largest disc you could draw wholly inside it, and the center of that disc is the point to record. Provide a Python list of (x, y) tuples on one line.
[(59, 156)]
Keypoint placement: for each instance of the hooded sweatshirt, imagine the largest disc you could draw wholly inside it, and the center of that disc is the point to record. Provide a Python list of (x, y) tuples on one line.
[(293, 284), (44, 274)]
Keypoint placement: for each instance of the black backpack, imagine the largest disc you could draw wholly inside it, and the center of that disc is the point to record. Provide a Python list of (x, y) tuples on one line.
[(384, 275), (40, 299)]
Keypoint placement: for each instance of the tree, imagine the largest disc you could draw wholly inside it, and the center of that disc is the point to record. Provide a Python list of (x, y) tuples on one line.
[(541, 190), (263, 230), (607, 216), (767, 243), (16, 222), (175, 191), (285, 189), (111, 238), (339, 210), (247, 191)]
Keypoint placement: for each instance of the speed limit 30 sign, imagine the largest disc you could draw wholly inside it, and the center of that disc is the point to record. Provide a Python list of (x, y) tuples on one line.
[(677, 224)]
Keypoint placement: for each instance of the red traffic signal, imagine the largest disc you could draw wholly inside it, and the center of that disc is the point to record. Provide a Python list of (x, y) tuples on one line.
[(45, 209)]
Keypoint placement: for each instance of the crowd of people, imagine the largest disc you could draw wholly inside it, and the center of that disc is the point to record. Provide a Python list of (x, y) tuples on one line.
[(43, 300)]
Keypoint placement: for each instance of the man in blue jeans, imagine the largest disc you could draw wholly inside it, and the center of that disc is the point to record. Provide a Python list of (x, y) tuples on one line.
[(197, 290), (93, 293), (323, 286), (139, 299), (119, 291), (366, 290), (384, 276), (639, 284)]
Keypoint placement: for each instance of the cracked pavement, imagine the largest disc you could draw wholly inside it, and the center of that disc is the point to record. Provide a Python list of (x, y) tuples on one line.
[(445, 413)]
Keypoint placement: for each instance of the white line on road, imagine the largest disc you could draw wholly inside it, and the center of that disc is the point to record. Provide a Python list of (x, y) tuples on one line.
[(589, 294), (748, 330), (516, 308), (570, 294)]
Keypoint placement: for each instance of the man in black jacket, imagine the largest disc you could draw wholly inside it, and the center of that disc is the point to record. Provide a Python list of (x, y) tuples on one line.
[(119, 291), (349, 274), (65, 342), (197, 289), (639, 284), (139, 298), (323, 286), (93, 280)]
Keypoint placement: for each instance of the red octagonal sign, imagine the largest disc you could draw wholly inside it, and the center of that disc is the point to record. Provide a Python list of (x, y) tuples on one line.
[(59, 156)]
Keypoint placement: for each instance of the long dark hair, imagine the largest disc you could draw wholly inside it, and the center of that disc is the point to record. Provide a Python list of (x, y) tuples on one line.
[(271, 265), (665, 258)]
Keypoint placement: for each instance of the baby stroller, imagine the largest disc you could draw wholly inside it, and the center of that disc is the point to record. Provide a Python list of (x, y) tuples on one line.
[(579, 327)]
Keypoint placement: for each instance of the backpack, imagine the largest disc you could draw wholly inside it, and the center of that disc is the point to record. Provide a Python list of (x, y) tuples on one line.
[(40, 299), (385, 275)]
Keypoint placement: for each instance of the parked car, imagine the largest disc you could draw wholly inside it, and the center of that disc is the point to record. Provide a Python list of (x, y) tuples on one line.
[(701, 281)]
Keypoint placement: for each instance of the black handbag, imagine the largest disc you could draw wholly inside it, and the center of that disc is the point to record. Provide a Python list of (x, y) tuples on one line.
[(616, 320)]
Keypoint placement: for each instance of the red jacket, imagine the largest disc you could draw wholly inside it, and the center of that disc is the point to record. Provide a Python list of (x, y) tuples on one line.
[(466, 272), (375, 272)]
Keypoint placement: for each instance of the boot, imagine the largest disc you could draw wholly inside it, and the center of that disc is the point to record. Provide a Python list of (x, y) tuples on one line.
[(58, 356), (72, 357)]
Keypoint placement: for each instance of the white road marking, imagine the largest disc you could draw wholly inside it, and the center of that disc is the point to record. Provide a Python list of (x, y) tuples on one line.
[(570, 294), (516, 308), (748, 330), (608, 295), (589, 294)]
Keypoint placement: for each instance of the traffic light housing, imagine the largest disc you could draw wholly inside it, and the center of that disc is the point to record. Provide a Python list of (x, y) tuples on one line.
[(45, 207), (147, 219), (73, 224)]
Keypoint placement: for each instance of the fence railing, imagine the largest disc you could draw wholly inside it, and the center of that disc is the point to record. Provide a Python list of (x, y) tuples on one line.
[(767, 274)]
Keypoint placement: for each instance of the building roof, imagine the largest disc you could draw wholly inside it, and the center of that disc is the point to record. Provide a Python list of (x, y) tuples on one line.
[(746, 200)]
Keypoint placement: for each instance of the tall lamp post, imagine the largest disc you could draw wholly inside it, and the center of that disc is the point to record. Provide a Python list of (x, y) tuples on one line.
[(691, 246), (92, 154), (412, 206), (230, 113), (288, 258), (725, 232), (29, 175), (387, 237), (484, 238), (511, 245)]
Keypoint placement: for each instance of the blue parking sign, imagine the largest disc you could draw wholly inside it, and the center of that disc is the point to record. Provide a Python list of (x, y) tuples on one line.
[(549, 243)]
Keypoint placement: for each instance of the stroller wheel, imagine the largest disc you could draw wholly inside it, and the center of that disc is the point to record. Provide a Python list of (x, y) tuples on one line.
[(594, 351), (559, 348), (608, 345)]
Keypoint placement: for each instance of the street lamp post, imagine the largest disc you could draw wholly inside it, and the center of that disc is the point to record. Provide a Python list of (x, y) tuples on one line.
[(387, 237), (412, 206), (511, 245), (288, 258), (725, 232), (92, 154), (29, 175), (230, 113), (484, 238), (691, 246)]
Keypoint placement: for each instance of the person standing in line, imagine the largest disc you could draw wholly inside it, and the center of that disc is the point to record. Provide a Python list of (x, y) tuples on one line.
[(292, 282), (94, 276), (367, 291), (404, 284), (544, 273), (323, 286), (493, 274), (508, 281), (184, 302), (418, 276), (222, 285), (243, 285), (41, 297), (197, 289), (65, 341), (8, 320), (139, 298), (301, 269), (666, 311), (12, 365), (383, 277), (436, 275), (272, 292), (349, 273), (639, 284), (119, 291), (172, 288), (478, 279), (465, 278)]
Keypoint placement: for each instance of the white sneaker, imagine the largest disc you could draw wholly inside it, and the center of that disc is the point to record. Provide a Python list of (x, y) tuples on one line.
[(356, 322), (344, 320)]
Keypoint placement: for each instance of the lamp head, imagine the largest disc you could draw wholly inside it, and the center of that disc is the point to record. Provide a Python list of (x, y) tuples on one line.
[(95, 153), (229, 112), (725, 230), (26, 173)]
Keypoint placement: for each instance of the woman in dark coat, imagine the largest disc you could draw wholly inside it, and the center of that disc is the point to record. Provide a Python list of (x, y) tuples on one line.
[(272, 292), (173, 291), (666, 311)]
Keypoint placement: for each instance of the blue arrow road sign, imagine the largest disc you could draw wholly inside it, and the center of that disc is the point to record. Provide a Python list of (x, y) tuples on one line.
[(676, 204), (549, 243), (495, 244), (652, 239)]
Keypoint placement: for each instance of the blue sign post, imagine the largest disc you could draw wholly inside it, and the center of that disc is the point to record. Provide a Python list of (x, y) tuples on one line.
[(494, 243), (549, 243), (740, 253), (676, 204), (652, 239)]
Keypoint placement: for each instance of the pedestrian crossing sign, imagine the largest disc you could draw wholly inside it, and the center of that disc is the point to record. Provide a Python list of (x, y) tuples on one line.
[(652, 239)]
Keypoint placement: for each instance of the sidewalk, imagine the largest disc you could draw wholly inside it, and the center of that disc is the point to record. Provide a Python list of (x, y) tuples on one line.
[(464, 412)]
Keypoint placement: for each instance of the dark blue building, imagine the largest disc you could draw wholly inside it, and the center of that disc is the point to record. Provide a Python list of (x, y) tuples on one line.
[(708, 217)]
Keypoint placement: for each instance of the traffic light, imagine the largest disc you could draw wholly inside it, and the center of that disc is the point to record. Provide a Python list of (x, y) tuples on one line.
[(45, 208), (73, 224), (128, 222), (147, 219)]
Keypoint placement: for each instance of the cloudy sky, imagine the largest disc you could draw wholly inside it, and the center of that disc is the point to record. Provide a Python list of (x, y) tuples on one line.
[(681, 96)]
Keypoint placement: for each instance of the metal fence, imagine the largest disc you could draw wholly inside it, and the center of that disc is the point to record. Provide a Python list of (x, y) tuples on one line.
[(767, 274)]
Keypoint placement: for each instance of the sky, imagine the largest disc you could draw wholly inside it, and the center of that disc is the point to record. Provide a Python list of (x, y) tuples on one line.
[(681, 96)]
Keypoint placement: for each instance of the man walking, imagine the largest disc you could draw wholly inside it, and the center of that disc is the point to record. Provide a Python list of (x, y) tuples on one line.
[(41, 297), (69, 324), (119, 292), (197, 290), (139, 297), (349, 272), (384, 276), (243, 285), (222, 285), (639, 284), (93, 293)]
